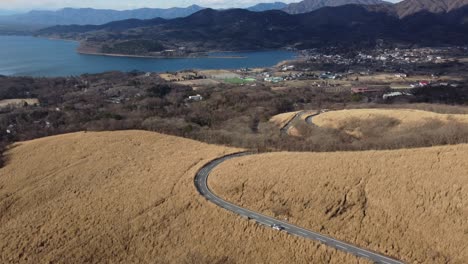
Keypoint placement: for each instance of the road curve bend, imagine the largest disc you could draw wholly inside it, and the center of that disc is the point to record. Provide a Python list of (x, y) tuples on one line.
[(309, 118), (285, 129), (289, 124), (201, 183)]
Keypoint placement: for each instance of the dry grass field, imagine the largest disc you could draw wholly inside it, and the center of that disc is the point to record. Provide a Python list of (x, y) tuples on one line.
[(219, 74), (392, 78), (392, 121), (201, 82), (410, 204), (128, 197), (18, 102)]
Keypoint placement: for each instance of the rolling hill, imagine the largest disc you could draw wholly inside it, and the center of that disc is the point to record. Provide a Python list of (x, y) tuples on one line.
[(411, 204), (392, 125), (128, 197)]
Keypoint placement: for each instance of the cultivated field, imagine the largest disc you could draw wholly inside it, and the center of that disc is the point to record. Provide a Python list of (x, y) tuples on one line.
[(128, 197), (410, 204)]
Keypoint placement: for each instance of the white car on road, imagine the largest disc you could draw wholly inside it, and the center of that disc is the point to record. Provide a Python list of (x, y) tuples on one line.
[(277, 227)]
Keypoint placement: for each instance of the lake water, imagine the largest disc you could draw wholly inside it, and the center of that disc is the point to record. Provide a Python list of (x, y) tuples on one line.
[(29, 56)]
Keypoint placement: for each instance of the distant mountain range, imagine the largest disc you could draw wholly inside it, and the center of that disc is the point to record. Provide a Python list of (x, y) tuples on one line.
[(401, 9), (267, 6), (312, 5), (238, 29), (7, 12), (90, 16)]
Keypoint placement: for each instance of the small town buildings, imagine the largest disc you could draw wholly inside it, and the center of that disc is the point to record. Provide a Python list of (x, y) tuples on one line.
[(329, 76), (394, 94), (423, 83), (274, 79), (195, 98), (401, 75)]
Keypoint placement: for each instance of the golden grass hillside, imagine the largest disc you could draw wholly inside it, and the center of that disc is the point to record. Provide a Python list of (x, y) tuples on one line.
[(128, 197), (282, 119), (410, 204), (396, 120)]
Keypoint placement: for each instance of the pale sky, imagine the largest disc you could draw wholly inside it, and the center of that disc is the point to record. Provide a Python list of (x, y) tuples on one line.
[(129, 4)]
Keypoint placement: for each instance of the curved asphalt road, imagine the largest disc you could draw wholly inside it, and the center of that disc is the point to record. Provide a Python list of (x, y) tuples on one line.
[(309, 118), (288, 125), (201, 183), (297, 116)]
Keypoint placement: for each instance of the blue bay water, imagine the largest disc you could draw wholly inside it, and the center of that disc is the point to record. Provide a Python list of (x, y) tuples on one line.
[(29, 56)]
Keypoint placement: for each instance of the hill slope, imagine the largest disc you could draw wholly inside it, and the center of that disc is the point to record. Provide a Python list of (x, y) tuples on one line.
[(312, 5), (128, 197), (411, 204), (410, 7), (392, 125)]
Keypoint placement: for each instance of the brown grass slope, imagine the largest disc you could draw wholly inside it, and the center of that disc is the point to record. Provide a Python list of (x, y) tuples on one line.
[(391, 123), (128, 197), (410, 204), (404, 117)]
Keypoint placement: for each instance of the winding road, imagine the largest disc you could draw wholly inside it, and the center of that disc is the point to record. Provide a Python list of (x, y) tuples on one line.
[(309, 118), (285, 129), (290, 123), (201, 183)]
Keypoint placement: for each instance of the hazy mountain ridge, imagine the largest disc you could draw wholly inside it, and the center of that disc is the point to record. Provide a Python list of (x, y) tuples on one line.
[(409, 7), (312, 5), (239, 29), (89, 16), (267, 6), (7, 12), (401, 9)]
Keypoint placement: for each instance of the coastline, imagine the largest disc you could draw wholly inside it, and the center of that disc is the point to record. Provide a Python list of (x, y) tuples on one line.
[(62, 59), (158, 57), (82, 51), (52, 38)]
